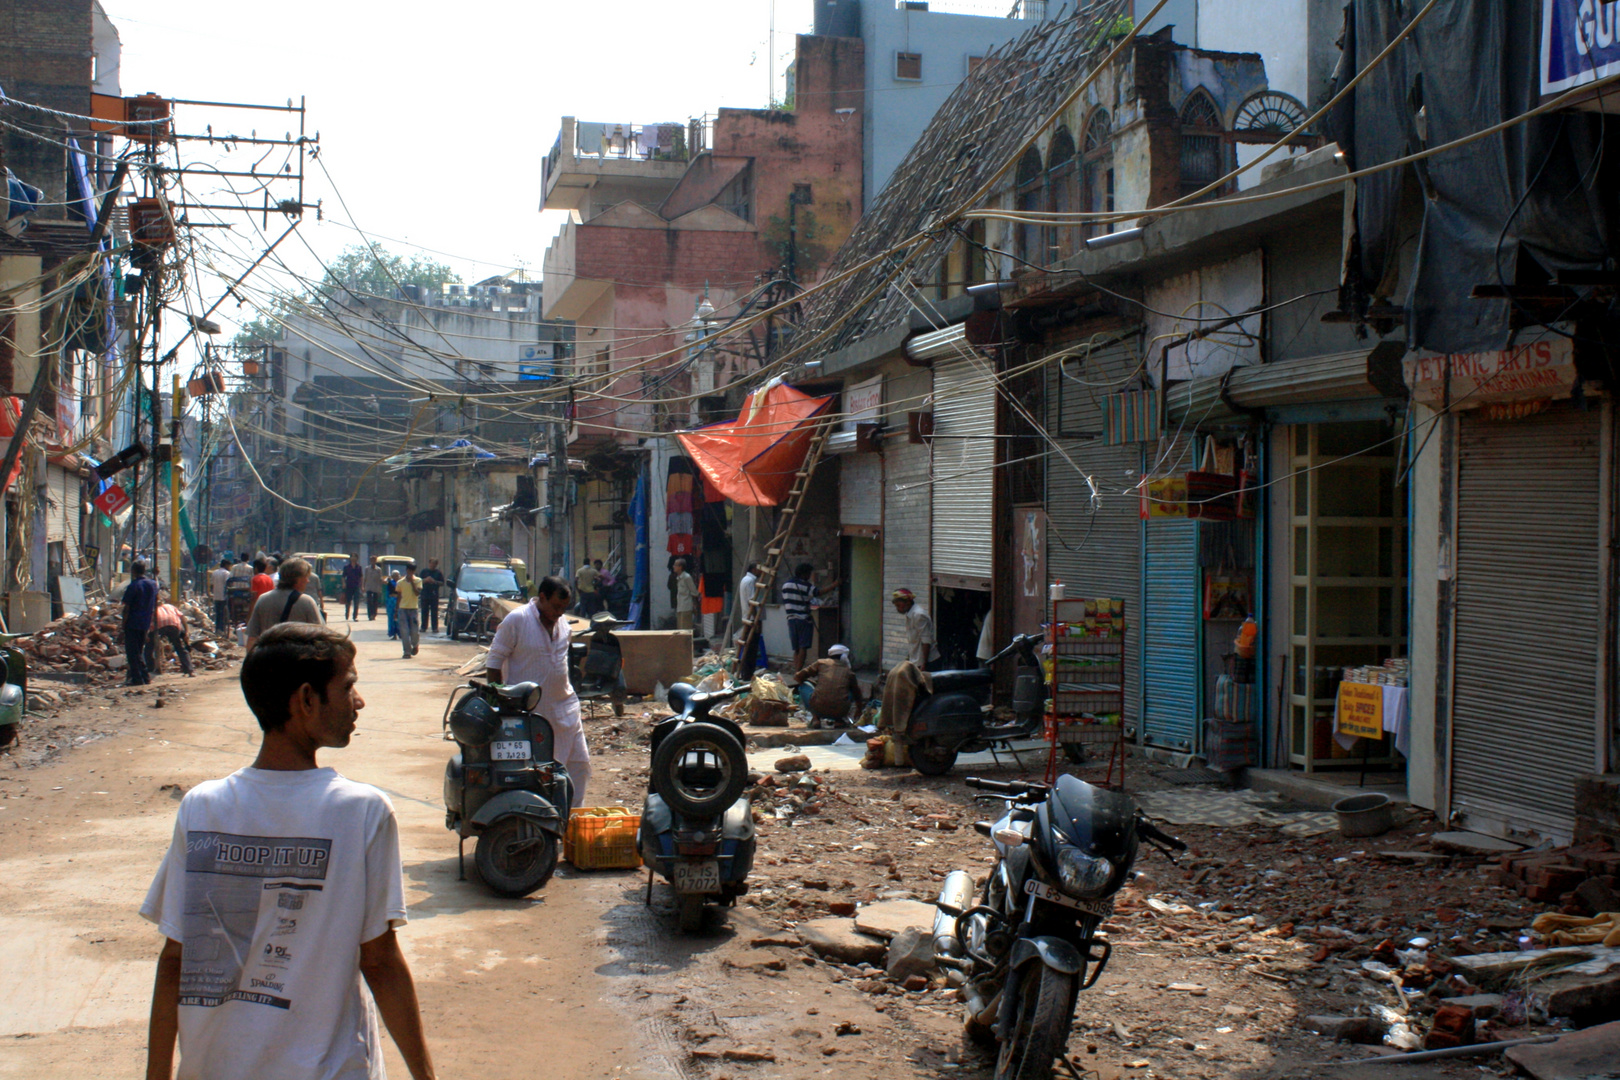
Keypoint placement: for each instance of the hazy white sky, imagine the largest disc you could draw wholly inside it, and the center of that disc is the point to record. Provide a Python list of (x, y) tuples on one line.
[(434, 118)]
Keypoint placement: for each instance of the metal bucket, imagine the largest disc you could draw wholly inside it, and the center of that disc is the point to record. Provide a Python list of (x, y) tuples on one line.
[(1369, 814)]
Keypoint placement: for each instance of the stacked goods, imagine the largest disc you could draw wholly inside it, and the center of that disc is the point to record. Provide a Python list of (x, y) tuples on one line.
[(1396, 671)]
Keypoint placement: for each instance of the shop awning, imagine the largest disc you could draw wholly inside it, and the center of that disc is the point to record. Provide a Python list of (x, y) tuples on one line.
[(753, 458)]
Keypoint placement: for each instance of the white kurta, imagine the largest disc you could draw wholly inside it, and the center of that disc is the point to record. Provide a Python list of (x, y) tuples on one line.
[(525, 651)]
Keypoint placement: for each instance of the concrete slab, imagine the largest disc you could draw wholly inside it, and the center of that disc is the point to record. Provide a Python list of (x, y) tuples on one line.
[(838, 939), (1469, 843), (1309, 791), (887, 918), (1593, 1054)]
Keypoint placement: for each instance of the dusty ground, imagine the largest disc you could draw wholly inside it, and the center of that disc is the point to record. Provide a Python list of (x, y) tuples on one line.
[(584, 980)]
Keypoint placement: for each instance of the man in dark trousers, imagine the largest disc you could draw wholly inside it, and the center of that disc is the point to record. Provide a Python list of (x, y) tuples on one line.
[(140, 604), (373, 582), (432, 581), (352, 575)]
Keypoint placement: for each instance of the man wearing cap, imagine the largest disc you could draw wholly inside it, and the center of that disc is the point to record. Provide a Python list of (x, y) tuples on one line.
[(828, 687), (920, 648)]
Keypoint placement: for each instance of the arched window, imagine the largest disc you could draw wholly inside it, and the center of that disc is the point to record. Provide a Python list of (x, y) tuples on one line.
[(1063, 189), (1030, 194), (1202, 142), (1097, 154)]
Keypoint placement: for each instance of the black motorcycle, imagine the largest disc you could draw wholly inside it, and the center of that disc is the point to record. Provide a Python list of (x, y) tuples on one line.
[(950, 719), (1030, 944), (505, 787), (596, 663), (697, 827)]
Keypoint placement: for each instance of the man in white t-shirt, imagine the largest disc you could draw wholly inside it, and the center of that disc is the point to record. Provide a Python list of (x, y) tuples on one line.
[(531, 645), (280, 892), (217, 579)]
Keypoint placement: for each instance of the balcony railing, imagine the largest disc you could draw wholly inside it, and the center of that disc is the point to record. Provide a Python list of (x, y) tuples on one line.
[(630, 142)]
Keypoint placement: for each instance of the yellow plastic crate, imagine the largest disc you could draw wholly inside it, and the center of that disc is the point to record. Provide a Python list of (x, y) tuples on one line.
[(602, 838)]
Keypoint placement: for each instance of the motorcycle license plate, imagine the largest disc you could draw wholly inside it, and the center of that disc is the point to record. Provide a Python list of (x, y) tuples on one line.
[(1100, 908), (697, 877), (509, 750)]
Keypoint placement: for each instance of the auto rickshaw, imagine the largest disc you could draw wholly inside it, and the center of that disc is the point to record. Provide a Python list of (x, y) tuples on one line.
[(330, 567)]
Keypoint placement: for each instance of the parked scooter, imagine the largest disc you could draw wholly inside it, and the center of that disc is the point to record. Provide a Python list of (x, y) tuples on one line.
[(596, 663), (697, 829), (505, 787), (951, 720), (1030, 943), (14, 692)]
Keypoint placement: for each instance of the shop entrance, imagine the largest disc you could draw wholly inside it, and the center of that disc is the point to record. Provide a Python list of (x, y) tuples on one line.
[(959, 616), (1348, 581), (863, 592)]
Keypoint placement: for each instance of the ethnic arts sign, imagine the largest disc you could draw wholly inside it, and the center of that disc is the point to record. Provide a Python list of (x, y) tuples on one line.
[(1580, 43), (1535, 370)]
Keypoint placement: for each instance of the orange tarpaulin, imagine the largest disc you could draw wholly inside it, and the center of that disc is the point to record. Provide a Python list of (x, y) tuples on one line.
[(753, 458)]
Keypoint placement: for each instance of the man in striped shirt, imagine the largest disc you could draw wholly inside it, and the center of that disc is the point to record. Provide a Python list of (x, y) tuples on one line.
[(798, 597)]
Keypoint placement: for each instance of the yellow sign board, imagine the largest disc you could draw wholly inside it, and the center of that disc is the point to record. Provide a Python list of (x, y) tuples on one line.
[(1164, 497), (1361, 710)]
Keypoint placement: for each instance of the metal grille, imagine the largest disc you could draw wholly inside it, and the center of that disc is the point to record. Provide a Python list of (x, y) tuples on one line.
[(1170, 699), (1527, 636), (1096, 551), (860, 489), (906, 505), (964, 467)]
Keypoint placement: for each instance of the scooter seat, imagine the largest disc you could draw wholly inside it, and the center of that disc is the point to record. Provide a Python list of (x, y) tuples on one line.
[(950, 682)]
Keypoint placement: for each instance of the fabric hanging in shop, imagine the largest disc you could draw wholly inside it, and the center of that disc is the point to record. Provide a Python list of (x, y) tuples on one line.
[(711, 600), (680, 544)]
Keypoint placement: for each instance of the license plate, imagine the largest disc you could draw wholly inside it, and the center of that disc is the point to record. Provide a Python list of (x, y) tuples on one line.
[(510, 750), (1100, 908), (697, 877)]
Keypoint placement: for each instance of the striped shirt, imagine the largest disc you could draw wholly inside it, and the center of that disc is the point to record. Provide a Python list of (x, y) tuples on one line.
[(796, 596)]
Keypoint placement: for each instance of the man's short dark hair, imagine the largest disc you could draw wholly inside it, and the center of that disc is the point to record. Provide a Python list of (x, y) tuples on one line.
[(598, 562), (258, 566), (286, 657), (551, 585), (224, 564), (244, 556), (804, 570), (137, 568)]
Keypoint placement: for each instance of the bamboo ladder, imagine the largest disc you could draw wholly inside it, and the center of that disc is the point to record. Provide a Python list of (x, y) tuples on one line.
[(791, 505)]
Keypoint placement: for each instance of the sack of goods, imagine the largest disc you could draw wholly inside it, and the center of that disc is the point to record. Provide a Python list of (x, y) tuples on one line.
[(1229, 745), (1234, 701)]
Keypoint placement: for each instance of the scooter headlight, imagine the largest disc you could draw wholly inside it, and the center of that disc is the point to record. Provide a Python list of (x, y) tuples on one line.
[(1082, 875)]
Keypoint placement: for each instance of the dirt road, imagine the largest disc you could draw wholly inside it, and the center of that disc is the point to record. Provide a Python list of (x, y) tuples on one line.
[(583, 980)]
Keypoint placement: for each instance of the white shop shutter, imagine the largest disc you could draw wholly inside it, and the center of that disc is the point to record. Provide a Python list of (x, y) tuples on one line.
[(1525, 676), (860, 489), (907, 499), (1096, 551), (63, 490), (964, 467)]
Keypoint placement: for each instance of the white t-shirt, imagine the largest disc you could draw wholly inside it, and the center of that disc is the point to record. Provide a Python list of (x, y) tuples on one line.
[(271, 884), (525, 651), (216, 582)]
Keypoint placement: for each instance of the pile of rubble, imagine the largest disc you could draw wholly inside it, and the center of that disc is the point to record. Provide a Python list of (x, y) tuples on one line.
[(1580, 880), (90, 643)]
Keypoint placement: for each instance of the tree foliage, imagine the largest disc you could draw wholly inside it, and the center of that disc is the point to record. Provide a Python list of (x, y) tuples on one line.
[(356, 270)]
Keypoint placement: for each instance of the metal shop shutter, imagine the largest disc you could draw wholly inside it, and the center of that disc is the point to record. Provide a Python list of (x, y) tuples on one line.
[(63, 502), (964, 467), (906, 513), (1096, 553), (860, 489), (1170, 623), (1525, 674)]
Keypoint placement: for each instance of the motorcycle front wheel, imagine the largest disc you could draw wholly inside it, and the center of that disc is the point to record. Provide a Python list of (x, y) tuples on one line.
[(516, 856), (1040, 1026)]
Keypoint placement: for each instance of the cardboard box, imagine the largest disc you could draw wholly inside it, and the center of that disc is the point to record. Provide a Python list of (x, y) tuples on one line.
[(655, 656)]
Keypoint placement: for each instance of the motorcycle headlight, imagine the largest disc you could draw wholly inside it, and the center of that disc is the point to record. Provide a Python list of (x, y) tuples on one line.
[(1082, 875)]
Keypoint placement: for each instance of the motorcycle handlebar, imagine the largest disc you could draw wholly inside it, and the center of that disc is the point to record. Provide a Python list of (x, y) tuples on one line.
[(1153, 832), (1018, 788)]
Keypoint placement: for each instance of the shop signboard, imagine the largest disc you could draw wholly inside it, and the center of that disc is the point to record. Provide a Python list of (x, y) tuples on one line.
[(1536, 369), (536, 363), (863, 403), (1361, 710), (112, 502), (1580, 43)]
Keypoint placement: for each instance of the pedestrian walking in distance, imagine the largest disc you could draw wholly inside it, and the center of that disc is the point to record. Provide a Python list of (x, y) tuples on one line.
[(281, 890), (408, 589), (373, 584), (428, 606), (287, 602), (353, 578), (218, 584), (140, 605)]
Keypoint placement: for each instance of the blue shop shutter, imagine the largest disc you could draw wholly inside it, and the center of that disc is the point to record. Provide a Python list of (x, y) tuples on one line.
[(1170, 635)]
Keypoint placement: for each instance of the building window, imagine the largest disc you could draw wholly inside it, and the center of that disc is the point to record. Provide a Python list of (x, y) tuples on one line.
[(1097, 154), (1030, 195), (1062, 185), (908, 66), (738, 195), (1202, 142)]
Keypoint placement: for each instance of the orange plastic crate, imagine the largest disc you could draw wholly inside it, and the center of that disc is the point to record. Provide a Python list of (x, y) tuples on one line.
[(602, 838)]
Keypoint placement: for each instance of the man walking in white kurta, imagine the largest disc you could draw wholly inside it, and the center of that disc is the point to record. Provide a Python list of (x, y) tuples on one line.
[(531, 645)]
